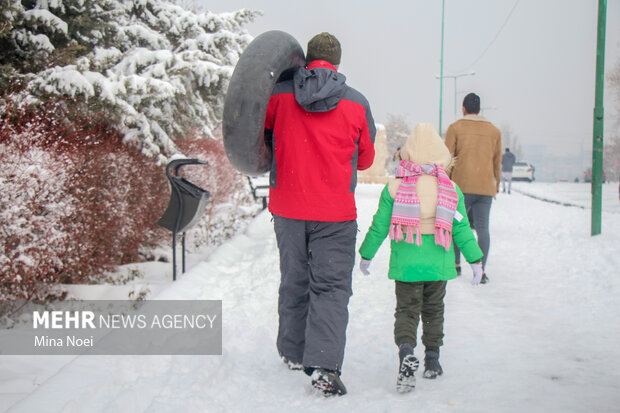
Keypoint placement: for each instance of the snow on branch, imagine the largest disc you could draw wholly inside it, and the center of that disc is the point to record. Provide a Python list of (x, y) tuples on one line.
[(36, 42), (63, 81), (162, 71), (45, 18)]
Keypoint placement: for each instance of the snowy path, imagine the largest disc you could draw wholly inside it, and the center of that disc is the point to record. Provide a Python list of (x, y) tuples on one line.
[(542, 336)]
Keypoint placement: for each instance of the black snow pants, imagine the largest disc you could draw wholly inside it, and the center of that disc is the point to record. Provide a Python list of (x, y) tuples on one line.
[(316, 263)]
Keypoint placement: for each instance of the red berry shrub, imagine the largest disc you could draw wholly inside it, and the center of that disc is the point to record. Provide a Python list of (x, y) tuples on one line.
[(74, 200), (228, 189), (219, 177)]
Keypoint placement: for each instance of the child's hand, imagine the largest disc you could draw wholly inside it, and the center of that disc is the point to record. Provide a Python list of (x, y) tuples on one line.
[(364, 264), (477, 273)]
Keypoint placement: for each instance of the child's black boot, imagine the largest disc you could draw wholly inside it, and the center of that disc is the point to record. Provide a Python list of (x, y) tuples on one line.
[(408, 366), (432, 368)]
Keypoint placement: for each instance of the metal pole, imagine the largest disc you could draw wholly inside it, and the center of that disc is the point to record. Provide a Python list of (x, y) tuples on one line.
[(174, 256), (443, 3), (183, 246), (597, 138)]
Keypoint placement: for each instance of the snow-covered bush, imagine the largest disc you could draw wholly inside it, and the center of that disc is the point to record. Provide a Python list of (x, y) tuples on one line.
[(74, 200), (108, 91), (229, 207), (33, 207), (158, 69)]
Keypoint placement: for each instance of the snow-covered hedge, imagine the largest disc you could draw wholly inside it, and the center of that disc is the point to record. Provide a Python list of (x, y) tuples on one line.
[(105, 92), (75, 200), (231, 195)]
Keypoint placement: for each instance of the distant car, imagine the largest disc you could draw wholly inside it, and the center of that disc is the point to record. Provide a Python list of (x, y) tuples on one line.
[(522, 171)]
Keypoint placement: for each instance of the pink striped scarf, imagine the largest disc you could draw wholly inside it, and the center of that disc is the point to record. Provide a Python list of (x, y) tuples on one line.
[(406, 210)]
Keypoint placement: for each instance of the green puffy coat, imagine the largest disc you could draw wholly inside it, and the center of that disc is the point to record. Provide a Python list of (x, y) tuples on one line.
[(426, 262)]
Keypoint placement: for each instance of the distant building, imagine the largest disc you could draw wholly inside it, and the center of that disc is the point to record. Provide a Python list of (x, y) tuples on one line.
[(377, 173)]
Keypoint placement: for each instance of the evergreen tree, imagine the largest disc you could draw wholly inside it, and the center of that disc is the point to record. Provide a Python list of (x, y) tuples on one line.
[(511, 140), (397, 130), (157, 69), (611, 156)]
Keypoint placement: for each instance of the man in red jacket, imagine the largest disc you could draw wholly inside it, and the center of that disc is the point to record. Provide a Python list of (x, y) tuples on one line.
[(323, 132)]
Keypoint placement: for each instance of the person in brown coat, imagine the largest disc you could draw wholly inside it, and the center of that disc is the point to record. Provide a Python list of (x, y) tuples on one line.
[(476, 145)]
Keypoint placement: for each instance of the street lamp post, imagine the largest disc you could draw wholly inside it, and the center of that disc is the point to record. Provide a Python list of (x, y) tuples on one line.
[(597, 135), (482, 109), (455, 77), (443, 8)]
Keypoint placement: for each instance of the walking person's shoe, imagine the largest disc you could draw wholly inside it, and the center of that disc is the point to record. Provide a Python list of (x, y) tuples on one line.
[(458, 269), (484, 279), (328, 382), (432, 368), (406, 371), (291, 364)]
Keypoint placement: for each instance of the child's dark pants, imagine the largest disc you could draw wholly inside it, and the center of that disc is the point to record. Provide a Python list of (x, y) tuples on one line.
[(419, 299)]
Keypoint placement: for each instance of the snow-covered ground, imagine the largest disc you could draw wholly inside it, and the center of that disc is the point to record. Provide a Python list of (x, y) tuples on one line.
[(574, 194), (542, 336)]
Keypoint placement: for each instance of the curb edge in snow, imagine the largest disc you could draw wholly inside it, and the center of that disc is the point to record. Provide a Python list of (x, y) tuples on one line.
[(552, 201)]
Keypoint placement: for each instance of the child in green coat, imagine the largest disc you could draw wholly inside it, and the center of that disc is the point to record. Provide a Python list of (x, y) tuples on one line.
[(423, 212)]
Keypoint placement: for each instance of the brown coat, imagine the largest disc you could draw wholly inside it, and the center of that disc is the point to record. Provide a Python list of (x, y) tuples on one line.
[(476, 146)]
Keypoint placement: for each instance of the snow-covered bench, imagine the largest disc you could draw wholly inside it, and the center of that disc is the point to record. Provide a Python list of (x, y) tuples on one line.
[(260, 188)]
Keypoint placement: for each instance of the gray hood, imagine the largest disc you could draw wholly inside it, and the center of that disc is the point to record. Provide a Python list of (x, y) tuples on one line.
[(319, 89)]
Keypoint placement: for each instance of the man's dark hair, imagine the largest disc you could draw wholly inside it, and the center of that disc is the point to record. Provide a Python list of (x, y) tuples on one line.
[(471, 103), (507, 149)]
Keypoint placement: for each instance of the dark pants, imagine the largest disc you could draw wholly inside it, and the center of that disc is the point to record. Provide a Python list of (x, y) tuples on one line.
[(316, 262), (478, 210), (419, 299)]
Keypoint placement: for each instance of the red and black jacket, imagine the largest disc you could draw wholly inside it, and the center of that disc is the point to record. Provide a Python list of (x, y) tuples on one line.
[(323, 132)]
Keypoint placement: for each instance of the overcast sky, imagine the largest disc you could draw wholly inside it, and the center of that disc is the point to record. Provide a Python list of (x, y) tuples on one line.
[(537, 76)]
